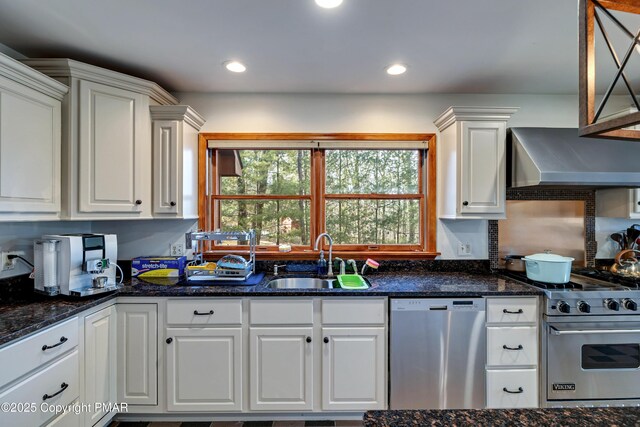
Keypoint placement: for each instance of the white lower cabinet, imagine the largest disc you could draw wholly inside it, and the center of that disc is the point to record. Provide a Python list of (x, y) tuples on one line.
[(514, 388), (204, 369), (58, 384), (353, 368), (289, 338), (67, 419), (137, 372), (513, 346), (281, 368), (99, 361), (512, 352)]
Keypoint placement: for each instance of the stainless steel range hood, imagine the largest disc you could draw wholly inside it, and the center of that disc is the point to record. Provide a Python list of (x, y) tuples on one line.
[(559, 157)]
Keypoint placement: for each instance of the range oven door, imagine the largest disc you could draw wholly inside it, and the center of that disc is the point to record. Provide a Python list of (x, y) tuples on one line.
[(593, 361)]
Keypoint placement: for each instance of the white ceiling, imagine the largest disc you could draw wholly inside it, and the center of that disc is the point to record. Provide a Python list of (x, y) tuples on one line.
[(450, 46)]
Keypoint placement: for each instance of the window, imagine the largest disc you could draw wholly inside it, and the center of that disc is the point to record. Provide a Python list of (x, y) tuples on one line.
[(370, 192)]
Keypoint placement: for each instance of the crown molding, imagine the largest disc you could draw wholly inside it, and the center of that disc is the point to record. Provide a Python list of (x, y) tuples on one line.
[(64, 67), (20, 73), (453, 114), (177, 112)]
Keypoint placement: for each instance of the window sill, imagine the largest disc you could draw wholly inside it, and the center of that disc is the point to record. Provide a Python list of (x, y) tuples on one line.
[(312, 255)]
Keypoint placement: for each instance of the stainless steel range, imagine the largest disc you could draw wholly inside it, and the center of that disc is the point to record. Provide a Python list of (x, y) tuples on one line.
[(591, 341)]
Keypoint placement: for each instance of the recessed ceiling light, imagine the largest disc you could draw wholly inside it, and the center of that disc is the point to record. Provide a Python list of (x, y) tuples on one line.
[(235, 66), (328, 4), (396, 69)]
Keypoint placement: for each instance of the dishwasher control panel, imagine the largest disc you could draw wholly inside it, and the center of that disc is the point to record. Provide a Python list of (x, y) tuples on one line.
[(434, 304)]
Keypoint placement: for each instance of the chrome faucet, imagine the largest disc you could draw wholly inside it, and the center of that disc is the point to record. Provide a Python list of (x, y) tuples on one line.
[(353, 265), (276, 267), (315, 248), (341, 264)]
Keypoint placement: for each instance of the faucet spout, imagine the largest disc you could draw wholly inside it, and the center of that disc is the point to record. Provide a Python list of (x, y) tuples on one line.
[(315, 248)]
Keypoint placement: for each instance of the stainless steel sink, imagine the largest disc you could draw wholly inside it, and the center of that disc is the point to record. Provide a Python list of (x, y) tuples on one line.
[(301, 283)]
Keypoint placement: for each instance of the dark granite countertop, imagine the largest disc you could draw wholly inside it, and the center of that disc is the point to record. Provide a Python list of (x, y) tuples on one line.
[(391, 284), (577, 417), (31, 312), (19, 318)]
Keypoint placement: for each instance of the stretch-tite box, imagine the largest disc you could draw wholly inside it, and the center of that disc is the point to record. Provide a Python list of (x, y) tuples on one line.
[(158, 266)]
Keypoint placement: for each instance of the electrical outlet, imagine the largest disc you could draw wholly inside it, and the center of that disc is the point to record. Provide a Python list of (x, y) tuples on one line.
[(464, 249), (177, 249), (9, 264)]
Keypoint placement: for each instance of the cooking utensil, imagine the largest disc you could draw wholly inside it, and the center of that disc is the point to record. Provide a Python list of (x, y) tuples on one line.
[(619, 238), (548, 267), (632, 236), (627, 266), (515, 263)]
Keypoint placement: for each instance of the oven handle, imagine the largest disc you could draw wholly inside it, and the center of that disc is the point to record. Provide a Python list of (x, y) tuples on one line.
[(555, 331)]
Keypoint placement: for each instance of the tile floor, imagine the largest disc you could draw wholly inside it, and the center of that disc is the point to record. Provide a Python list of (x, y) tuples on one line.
[(239, 424)]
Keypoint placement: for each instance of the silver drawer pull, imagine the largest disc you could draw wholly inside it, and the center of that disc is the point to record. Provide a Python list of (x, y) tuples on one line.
[(63, 387), (63, 340), (506, 390), (505, 311), (513, 348)]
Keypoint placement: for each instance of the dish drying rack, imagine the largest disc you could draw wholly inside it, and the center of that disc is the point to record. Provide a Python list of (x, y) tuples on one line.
[(226, 274)]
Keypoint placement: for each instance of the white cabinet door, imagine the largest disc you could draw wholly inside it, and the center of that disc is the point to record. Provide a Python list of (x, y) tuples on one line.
[(281, 369), (29, 151), (166, 166), (114, 152), (483, 167), (99, 361), (204, 369), (353, 369), (137, 376)]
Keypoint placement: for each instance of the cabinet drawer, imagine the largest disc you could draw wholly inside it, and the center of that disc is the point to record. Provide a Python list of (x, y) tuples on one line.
[(30, 353), (67, 419), (281, 312), (48, 381), (353, 312), (512, 310), (523, 383), (204, 311), (509, 346)]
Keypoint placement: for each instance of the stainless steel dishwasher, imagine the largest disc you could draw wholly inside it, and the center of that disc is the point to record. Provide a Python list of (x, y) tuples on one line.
[(437, 353)]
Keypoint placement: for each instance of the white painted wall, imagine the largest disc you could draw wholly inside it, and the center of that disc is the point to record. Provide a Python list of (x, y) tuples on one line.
[(153, 238), (135, 238), (378, 113), (607, 248), (19, 236)]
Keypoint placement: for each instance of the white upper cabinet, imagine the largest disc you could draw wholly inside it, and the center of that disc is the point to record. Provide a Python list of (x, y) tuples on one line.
[(114, 154), (106, 140), (175, 161), (30, 117), (472, 162)]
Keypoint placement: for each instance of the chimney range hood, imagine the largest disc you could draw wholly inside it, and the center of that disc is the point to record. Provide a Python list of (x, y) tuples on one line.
[(559, 157)]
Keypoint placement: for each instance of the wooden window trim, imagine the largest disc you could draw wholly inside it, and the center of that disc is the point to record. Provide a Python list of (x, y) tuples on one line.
[(426, 249)]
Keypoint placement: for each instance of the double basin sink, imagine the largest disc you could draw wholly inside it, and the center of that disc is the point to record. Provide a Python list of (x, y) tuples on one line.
[(301, 283)]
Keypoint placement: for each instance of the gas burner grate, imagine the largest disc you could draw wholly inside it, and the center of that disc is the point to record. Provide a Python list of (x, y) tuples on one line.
[(607, 276), (542, 285)]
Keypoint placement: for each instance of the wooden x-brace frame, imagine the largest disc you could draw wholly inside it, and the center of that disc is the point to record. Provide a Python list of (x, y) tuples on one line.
[(589, 114)]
